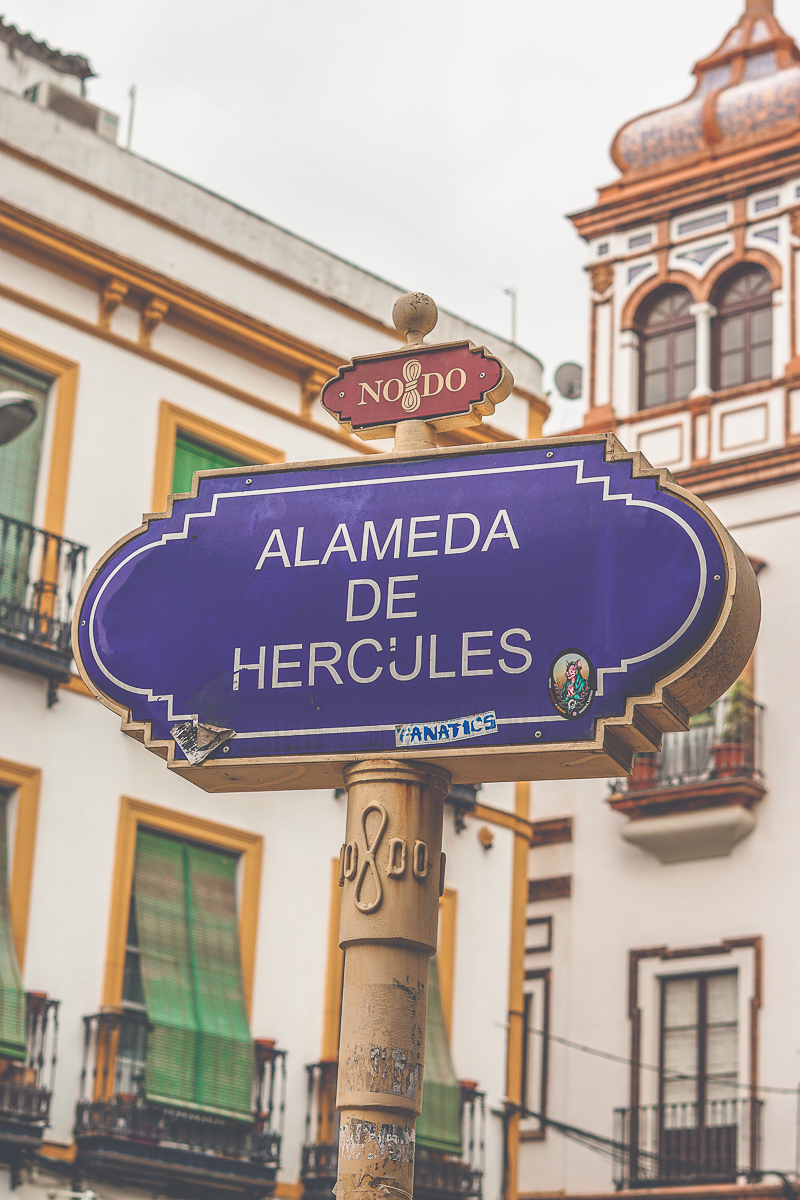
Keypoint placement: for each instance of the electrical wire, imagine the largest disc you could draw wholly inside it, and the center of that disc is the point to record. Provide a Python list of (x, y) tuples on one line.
[(668, 1075), (601, 1144)]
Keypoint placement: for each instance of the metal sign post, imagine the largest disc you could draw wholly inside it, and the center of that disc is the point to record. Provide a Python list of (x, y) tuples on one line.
[(514, 611), (392, 868), (389, 927)]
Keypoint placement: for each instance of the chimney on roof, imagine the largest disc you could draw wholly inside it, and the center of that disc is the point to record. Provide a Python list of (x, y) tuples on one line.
[(759, 8)]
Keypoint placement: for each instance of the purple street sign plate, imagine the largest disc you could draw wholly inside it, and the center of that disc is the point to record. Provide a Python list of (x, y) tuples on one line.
[(525, 610)]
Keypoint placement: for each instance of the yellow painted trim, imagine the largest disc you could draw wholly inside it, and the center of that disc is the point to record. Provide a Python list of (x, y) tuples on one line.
[(52, 247), (25, 780), (499, 816), (538, 412), (59, 1151), (446, 953), (80, 260), (75, 684), (181, 368), (69, 239), (516, 979), (288, 1191), (334, 974), (172, 419), (65, 374), (132, 814)]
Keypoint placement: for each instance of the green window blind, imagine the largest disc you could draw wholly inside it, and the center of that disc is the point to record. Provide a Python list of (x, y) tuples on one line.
[(439, 1123), (19, 460), (192, 455), (19, 472), (199, 1051), (13, 1042)]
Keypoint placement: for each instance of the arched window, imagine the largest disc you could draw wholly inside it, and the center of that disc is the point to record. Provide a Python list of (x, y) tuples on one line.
[(667, 349), (743, 328)]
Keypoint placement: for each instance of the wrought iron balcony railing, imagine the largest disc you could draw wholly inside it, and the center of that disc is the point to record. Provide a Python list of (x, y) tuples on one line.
[(26, 1087), (437, 1176), (40, 575), (119, 1132), (724, 742), (663, 1144)]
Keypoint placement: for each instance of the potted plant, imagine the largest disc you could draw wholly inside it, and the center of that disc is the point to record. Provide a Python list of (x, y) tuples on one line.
[(733, 753), (645, 770)]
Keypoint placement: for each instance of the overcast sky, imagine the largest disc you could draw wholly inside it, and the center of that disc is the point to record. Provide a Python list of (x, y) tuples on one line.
[(437, 143)]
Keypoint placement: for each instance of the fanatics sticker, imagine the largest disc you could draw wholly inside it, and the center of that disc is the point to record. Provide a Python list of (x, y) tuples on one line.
[(460, 729), (572, 684)]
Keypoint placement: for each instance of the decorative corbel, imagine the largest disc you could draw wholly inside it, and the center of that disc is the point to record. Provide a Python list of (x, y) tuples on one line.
[(111, 297), (312, 386), (152, 315), (602, 277)]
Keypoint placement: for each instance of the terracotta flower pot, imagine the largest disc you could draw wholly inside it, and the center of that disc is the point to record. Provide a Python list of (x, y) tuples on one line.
[(729, 759), (645, 769)]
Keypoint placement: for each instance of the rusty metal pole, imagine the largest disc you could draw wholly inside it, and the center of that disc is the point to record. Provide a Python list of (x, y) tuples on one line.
[(392, 870)]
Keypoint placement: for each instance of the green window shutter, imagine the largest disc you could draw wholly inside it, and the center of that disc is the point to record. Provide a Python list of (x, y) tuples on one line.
[(199, 1051), (19, 460), (439, 1123), (191, 456), (13, 1042), (19, 471), (161, 918), (225, 1077)]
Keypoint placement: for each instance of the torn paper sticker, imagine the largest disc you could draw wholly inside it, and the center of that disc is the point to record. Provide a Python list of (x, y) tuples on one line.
[(439, 733)]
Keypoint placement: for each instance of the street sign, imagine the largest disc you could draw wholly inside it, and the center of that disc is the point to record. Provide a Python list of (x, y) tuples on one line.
[(448, 385), (445, 386), (517, 611)]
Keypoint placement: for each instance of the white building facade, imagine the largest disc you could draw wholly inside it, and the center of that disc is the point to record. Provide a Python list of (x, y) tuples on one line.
[(159, 329), (662, 963)]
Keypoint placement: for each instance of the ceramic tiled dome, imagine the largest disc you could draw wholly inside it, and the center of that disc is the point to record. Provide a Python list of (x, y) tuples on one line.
[(747, 91)]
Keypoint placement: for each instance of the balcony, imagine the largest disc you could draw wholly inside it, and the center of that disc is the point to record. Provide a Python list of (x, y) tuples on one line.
[(437, 1176), (26, 1087), (695, 798), (662, 1145), (122, 1136), (40, 575)]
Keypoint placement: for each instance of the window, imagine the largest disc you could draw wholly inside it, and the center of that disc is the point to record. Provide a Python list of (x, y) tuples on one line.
[(699, 1038), (439, 1123), (668, 350), (19, 474), (535, 1052), (193, 455), (19, 459), (131, 1052), (188, 442), (13, 1037), (708, 219), (743, 329), (183, 969), (700, 1110)]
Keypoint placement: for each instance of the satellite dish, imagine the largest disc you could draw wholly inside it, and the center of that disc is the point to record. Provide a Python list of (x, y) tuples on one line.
[(569, 381), (17, 412)]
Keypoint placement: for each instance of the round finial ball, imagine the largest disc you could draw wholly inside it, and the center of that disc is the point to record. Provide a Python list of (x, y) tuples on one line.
[(415, 313)]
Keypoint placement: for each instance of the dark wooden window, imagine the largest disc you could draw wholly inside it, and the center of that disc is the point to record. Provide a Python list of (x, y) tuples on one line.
[(700, 1110), (668, 351), (743, 329)]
